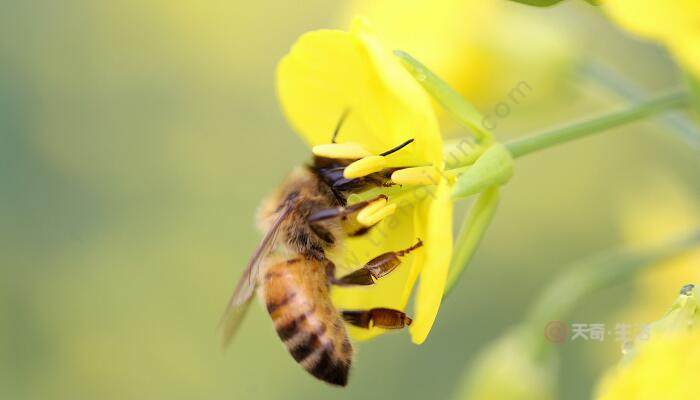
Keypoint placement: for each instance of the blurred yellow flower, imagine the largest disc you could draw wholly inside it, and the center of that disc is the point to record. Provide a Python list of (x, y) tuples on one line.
[(329, 72), (675, 24), (646, 221), (665, 367), (510, 369), (483, 49)]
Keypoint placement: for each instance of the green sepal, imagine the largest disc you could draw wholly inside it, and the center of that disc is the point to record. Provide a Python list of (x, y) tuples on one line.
[(448, 98), (683, 316), (538, 3), (473, 230), (548, 3), (684, 313), (493, 168)]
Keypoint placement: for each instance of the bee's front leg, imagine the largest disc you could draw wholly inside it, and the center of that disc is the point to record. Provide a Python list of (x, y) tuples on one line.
[(375, 268), (356, 219), (341, 212)]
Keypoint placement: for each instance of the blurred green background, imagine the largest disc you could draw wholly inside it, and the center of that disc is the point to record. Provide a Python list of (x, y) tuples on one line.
[(137, 138)]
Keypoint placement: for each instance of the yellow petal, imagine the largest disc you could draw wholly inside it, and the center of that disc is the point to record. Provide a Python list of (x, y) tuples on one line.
[(652, 18), (395, 232), (328, 71), (687, 50), (448, 37), (673, 23), (421, 231), (438, 251)]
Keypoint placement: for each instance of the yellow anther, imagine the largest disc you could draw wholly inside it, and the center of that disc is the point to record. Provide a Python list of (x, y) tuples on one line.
[(364, 167), (346, 151), (369, 219), (416, 176), (371, 208)]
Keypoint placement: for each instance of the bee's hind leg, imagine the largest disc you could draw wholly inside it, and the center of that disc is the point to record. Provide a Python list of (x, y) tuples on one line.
[(374, 269), (385, 318)]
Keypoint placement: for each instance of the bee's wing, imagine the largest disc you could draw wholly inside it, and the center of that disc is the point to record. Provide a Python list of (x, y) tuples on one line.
[(231, 320), (243, 293)]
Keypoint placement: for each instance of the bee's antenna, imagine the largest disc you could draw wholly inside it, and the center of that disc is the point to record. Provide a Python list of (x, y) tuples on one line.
[(397, 148), (340, 124)]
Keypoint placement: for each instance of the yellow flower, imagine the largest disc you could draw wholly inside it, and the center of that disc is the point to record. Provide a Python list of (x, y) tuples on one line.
[(646, 221), (483, 49), (330, 72), (665, 367), (676, 24)]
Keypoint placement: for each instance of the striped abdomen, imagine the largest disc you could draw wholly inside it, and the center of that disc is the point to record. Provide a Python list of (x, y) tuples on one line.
[(297, 298)]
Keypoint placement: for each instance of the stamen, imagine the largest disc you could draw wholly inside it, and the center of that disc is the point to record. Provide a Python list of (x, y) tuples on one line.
[(346, 151), (375, 217), (416, 176), (364, 166), (371, 208)]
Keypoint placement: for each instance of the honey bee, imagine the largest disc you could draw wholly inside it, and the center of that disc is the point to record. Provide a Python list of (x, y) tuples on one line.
[(307, 216)]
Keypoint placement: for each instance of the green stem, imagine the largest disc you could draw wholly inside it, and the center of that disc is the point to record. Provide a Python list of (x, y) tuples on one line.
[(608, 79), (527, 145)]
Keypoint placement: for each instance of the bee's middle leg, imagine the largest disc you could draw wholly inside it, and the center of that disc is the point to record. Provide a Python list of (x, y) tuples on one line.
[(341, 212), (374, 269)]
